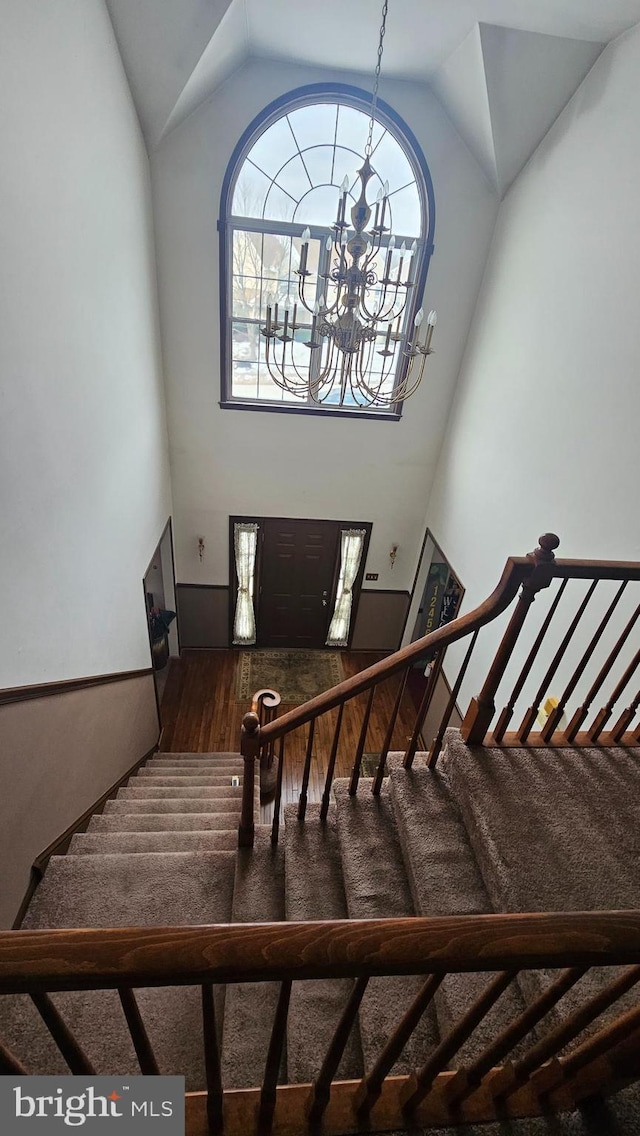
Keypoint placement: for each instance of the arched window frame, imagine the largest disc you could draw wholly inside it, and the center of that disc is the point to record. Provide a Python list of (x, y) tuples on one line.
[(391, 120)]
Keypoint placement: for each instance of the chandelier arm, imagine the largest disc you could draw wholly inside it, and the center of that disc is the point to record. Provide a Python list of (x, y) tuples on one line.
[(381, 316), (327, 377), (405, 391), (374, 394), (305, 382), (367, 359), (391, 314), (331, 309), (277, 373), (362, 388), (302, 296), (373, 252), (324, 374)]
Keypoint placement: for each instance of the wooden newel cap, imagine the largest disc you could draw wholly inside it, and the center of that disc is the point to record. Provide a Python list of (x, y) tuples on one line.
[(547, 543), (251, 722)]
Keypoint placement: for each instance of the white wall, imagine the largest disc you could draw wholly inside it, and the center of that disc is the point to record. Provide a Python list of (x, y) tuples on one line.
[(233, 462), (84, 485), (544, 430)]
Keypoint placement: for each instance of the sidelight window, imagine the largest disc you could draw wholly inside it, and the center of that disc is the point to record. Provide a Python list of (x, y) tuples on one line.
[(245, 544), (351, 547)]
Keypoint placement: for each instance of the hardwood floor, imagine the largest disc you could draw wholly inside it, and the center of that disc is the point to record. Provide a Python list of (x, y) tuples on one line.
[(200, 714)]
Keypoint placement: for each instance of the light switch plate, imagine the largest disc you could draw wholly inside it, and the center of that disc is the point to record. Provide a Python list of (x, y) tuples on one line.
[(371, 576), (235, 782)]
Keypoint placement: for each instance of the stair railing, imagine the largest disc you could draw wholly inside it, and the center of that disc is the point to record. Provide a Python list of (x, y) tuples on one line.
[(581, 1049), (527, 575), (532, 572)]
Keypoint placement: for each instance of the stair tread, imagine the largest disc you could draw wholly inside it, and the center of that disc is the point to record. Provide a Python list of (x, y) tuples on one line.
[(314, 890), (162, 822), (145, 790), (99, 843), (140, 889), (258, 893), (376, 887), (144, 889)]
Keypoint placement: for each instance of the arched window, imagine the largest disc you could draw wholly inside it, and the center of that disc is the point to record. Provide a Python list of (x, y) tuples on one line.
[(285, 177)]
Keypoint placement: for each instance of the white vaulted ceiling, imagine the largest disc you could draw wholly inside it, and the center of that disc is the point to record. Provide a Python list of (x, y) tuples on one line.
[(504, 88), (504, 69)]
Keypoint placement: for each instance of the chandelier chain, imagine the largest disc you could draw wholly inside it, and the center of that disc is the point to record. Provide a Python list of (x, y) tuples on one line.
[(376, 84)]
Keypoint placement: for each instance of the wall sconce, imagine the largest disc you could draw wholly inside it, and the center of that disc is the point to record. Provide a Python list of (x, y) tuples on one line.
[(393, 554), (201, 547)]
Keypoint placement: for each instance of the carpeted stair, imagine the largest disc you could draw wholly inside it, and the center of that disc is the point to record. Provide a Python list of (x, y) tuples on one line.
[(314, 889), (553, 830), (162, 853), (445, 880), (376, 888), (250, 1007), (455, 841)]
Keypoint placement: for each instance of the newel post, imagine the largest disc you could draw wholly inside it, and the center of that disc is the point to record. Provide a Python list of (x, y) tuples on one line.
[(482, 708), (250, 750)]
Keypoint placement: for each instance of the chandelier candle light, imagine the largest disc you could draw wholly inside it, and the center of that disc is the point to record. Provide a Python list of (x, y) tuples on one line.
[(357, 307)]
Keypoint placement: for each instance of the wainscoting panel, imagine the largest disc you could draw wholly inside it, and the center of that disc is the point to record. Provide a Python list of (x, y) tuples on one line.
[(203, 615), (380, 620), (58, 755)]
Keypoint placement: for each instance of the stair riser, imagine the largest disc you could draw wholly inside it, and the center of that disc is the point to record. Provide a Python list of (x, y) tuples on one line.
[(200, 770), (183, 777), (164, 822), (176, 805), (212, 758), (219, 760), (163, 792)]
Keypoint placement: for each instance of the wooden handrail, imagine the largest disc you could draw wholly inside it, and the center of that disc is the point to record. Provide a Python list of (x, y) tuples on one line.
[(532, 574), (516, 571), (108, 958)]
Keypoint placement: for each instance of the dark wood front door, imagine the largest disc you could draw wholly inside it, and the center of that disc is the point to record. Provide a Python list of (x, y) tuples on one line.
[(298, 562)]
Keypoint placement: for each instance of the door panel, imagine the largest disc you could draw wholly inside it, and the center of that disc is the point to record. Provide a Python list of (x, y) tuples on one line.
[(297, 571)]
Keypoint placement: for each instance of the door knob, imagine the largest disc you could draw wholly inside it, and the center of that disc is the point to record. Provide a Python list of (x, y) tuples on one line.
[(324, 603)]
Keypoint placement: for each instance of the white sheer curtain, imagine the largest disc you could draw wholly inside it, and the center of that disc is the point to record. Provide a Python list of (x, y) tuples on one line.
[(245, 544), (352, 544)]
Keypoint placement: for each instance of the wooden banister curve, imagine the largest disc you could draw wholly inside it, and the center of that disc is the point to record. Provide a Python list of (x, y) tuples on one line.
[(527, 575), (516, 571)]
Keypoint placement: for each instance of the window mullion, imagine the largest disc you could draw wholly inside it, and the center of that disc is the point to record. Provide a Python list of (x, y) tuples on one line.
[(324, 259)]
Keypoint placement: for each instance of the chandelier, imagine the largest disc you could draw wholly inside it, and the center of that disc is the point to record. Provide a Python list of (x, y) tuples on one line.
[(360, 305)]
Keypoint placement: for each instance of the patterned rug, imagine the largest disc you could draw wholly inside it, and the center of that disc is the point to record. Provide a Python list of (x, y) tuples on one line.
[(369, 765), (296, 675)]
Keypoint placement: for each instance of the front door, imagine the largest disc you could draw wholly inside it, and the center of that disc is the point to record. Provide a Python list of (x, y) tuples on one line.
[(298, 562)]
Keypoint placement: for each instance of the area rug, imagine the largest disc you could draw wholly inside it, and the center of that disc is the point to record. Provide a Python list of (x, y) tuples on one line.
[(369, 765), (296, 675)]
